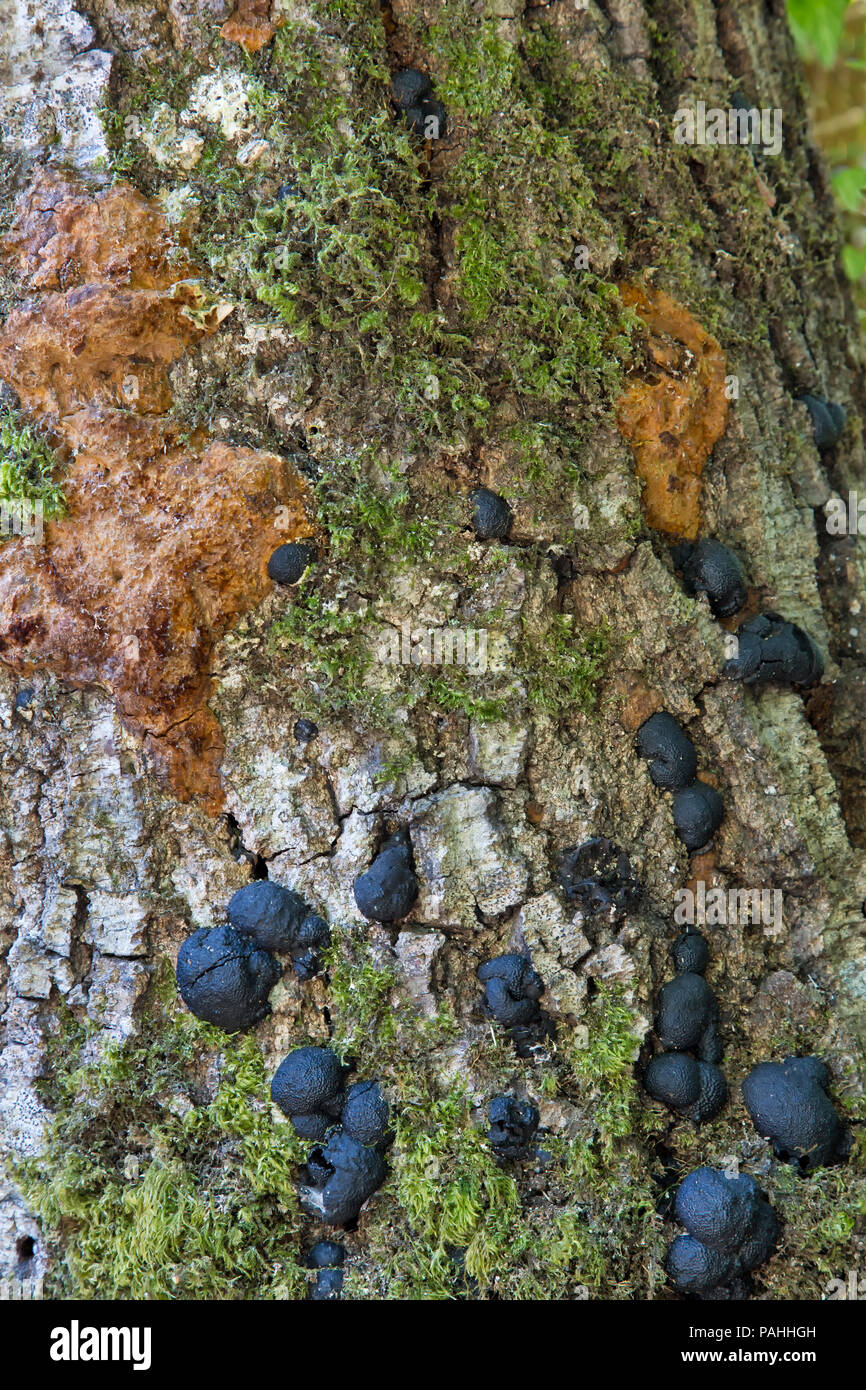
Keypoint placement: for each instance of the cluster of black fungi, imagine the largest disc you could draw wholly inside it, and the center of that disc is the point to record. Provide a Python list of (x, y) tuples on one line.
[(226, 973)]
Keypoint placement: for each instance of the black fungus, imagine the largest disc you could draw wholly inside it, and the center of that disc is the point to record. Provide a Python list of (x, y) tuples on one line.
[(412, 94), (688, 1017), (278, 919), (387, 890), (491, 514), (691, 952), (427, 118), (732, 1229), (695, 1090), (288, 562), (513, 1125), (308, 1086), (340, 1177), (673, 761), (598, 877), (789, 1104), (828, 420), (225, 978), (710, 568), (512, 989), (365, 1113), (698, 813), (409, 87), (327, 1259), (304, 730), (773, 650)]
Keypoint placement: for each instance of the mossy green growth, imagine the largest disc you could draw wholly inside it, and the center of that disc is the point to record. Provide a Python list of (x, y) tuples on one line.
[(30, 476), (562, 667), (146, 1191)]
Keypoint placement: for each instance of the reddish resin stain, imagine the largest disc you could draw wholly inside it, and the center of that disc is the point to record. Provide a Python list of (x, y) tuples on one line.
[(167, 537), (674, 413)]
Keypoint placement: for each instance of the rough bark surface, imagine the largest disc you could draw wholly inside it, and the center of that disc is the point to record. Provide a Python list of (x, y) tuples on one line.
[(552, 301)]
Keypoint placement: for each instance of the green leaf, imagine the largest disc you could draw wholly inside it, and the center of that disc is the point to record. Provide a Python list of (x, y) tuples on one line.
[(849, 186), (817, 27), (854, 261)]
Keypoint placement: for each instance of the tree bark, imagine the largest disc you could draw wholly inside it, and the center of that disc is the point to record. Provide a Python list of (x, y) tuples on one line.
[(554, 300)]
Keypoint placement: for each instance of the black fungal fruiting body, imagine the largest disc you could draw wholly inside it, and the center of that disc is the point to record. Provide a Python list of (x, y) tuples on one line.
[(695, 1090), (688, 1017), (828, 420), (327, 1259), (597, 876), (304, 730), (340, 1177), (491, 514), (278, 919), (691, 952), (697, 808), (710, 568), (771, 650), (789, 1104), (387, 890), (732, 1229), (673, 761), (513, 1125), (412, 94), (698, 812), (288, 562), (687, 1021), (308, 1086), (512, 989), (225, 978)]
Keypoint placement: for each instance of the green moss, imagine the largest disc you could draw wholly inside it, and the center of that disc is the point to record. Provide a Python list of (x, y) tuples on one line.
[(29, 474), (562, 668), (145, 1192)]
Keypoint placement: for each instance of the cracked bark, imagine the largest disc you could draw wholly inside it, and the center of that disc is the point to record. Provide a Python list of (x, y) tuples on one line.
[(80, 803)]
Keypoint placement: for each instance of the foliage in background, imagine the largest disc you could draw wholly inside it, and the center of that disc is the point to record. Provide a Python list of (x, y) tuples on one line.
[(831, 38)]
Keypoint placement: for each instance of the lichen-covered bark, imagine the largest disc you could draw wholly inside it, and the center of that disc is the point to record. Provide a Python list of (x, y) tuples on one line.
[(557, 301)]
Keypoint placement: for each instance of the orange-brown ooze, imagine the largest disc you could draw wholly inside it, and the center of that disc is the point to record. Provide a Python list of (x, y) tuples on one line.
[(167, 536), (673, 415)]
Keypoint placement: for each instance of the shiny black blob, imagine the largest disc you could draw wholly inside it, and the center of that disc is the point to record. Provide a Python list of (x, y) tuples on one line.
[(304, 730), (732, 1229), (688, 1017), (365, 1114), (308, 1086), (512, 989), (409, 87), (828, 420), (340, 1177), (598, 877), (691, 953), (491, 514), (288, 562), (698, 813), (673, 760), (789, 1104), (278, 919), (695, 1090), (513, 1125), (710, 568), (387, 890), (225, 978), (427, 118), (772, 650), (327, 1259)]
